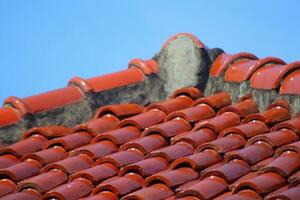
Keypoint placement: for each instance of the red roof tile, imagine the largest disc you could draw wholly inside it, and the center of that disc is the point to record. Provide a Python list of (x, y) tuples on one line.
[(229, 154), (188, 146)]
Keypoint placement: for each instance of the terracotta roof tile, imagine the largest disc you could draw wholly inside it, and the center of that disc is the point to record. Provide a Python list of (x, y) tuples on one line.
[(11, 116), (223, 61), (191, 92), (146, 167), (216, 101), (47, 156), (121, 185), (44, 182), (119, 136), (97, 173), (47, 131), (40, 102), (130, 152), (6, 187), (243, 70), (73, 190), (156, 191), (71, 165), (25, 146), (290, 84), (96, 150), (21, 171), (269, 77), (109, 81), (121, 111)]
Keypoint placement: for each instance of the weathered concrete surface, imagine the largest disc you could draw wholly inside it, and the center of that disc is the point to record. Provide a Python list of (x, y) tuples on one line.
[(182, 64), (13, 133), (262, 97)]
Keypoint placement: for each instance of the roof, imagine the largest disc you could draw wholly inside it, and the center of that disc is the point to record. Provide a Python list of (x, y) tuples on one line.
[(222, 127)]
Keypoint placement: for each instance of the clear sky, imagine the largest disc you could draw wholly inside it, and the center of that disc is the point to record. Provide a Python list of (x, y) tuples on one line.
[(45, 43)]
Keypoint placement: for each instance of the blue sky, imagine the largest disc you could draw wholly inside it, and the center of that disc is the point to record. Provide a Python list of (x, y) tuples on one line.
[(45, 43)]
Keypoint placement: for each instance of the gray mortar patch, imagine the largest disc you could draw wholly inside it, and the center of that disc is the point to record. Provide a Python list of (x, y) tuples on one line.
[(181, 64), (263, 98), (141, 93), (13, 133)]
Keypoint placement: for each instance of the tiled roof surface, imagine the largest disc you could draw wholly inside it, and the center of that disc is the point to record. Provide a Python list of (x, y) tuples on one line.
[(189, 146), (186, 147)]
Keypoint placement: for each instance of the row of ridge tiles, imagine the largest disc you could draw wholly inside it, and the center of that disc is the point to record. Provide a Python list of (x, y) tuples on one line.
[(186, 147), (15, 108), (266, 73)]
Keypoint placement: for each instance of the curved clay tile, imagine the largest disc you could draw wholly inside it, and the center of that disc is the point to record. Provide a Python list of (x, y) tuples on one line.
[(95, 126), (72, 190), (121, 111), (290, 84), (220, 122), (251, 154), (48, 156), (243, 70), (146, 66), (247, 130), (193, 114), (121, 185), (122, 158), (144, 120), (97, 173), (9, 116), (289, 194), (71, 141), (225, 144), (21, 171), (26, 146), (275, 139), (156, 191), (230, 171), (172, 152), (25, 194), (261, 184), (208, 188), (105, 195), (270, 116), (169, 128), (47, 131), (172, 105), (173, 177), (6, 187), (8, 160), (146, 167), (243, 108), (216, 101), (146, 144), (223, 61), (195, 138), (285, 164), (109, 81), (70, 165), (119, 136), (295, 146), (269, 77), (44, 182), (292, 124), (192, 92), (198, 161), (96, 150), (45, 101)]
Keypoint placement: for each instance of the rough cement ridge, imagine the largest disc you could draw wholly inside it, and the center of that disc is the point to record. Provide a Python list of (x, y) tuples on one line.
[(183, 61)]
